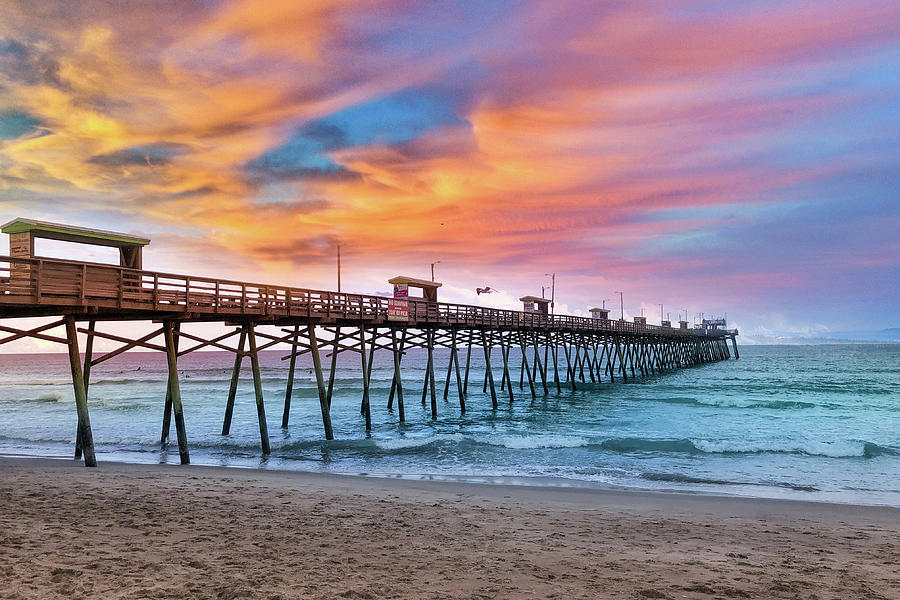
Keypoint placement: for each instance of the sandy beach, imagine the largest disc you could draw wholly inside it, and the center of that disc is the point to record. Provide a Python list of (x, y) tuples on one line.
[(138, 531)]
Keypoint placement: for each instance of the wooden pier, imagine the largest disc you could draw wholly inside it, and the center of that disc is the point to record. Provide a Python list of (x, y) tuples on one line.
[(551, 352)]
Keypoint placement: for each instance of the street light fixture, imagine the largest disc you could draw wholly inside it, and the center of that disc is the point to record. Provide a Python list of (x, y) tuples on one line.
[(437, 262), (552, 277)]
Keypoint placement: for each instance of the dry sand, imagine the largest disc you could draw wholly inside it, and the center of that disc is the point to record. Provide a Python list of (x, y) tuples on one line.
[(133, 531)]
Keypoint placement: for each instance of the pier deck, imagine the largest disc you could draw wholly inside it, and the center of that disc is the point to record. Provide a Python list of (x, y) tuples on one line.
[(553, 351)]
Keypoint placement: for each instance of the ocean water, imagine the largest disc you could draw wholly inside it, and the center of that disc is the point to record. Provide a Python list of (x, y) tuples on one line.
[(804, 422)]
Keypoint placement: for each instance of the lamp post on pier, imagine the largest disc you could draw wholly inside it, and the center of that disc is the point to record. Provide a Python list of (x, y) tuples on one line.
[(621, 305), (552, 277), (432, 268)]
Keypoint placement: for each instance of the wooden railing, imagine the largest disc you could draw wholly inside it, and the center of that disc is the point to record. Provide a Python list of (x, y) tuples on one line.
[(51, 283)]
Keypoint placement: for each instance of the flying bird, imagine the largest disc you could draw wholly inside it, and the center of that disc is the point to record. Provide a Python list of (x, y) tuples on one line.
[(484, 290)]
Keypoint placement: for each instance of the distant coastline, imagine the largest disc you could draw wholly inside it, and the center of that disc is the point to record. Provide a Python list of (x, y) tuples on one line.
[(882, 336)]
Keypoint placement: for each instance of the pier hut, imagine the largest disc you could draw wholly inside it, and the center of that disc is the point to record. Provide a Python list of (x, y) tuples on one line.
[(713, 324), (533, 304), (424, 305), (402, 283), (23, 232), (599, 313), (640, 320), (682, 324), (665, 323)]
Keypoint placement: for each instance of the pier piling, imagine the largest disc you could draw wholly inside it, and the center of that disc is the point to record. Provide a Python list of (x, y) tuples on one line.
[(175, 392), (84, 419)]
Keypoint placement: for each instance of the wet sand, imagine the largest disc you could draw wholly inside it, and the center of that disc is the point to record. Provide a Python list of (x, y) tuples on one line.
[(139, 531)]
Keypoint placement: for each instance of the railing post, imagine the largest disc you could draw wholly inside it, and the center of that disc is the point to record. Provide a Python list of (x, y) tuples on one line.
[(83, 282), (37, 282)]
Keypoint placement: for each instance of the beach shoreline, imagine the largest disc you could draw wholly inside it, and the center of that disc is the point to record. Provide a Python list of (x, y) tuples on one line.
[(166, 531)]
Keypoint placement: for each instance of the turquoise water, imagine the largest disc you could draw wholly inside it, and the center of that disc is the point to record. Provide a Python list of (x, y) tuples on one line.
[(807, 422)]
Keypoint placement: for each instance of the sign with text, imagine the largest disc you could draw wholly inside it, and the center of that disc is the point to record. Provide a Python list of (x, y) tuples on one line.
[(398, 309), (401, 290)]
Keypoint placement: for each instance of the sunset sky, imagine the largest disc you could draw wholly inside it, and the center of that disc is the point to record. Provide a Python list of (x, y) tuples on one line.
[(739, 156)]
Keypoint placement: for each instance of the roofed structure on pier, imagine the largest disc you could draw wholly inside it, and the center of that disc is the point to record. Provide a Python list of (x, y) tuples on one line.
[(599, 313), (402, 283), (23, 232), (533, 304)]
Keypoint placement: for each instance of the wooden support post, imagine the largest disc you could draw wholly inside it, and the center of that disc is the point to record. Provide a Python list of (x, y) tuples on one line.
[(546, 363), (84, 419), (468, 362), (365, 373), (390, 405), (450, 363), (167, 408), (290, 382), (368, 370), (331, 372), (593, 365), (621, 357), (428, 360), (610, 358), (630, 348), (542, 370), (398, 382), (459, 383), (488, 370), (257, 388), (430, 333), (522, 374), (232, 390), (320, 382), (570, 370), (555, 338), (525, 365), (734, 345), (504, 350), (88, 353), (175, 392), (582, 360), (576, 357)]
